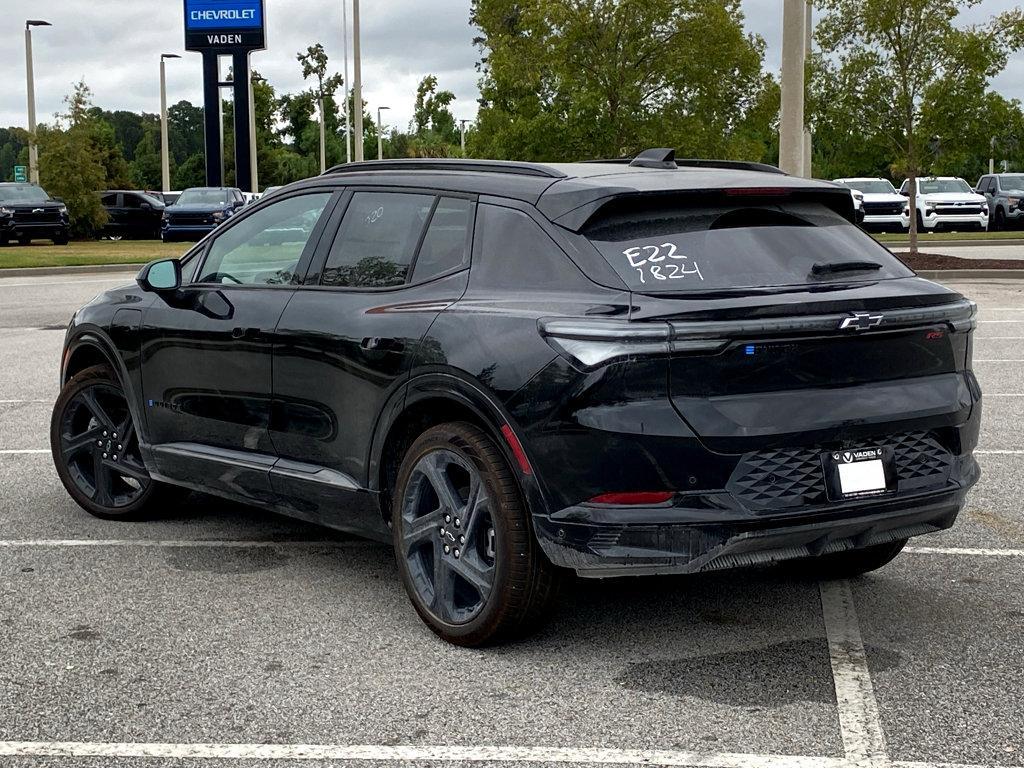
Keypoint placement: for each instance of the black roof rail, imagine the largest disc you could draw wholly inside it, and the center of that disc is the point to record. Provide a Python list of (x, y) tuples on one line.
[(665, 158), (450, 164)]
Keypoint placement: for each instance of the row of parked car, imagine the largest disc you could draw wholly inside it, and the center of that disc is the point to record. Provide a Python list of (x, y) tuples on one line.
[(943, 202)]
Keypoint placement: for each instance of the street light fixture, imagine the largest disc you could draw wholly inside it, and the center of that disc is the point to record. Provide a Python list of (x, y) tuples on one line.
[(33, 149), (165, 143), (380, 134)]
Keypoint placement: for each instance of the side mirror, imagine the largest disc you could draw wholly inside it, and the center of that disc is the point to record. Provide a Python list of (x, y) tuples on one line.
[(159, 276)]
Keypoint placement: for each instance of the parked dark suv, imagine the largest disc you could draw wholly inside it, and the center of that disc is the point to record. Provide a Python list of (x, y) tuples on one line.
[(27, 213), (514, 370), (199, 211), (132, 214)]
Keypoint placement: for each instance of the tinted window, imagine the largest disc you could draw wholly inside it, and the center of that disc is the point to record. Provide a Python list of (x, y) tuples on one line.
[(377, 240), (265, 248), (726, 245), (446, 244), (132, 201), (109, 200), (515, 252)]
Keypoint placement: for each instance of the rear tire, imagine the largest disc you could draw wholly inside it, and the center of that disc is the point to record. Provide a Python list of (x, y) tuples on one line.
[(849, 563), (95, 449), (493, 583), (24, 241)]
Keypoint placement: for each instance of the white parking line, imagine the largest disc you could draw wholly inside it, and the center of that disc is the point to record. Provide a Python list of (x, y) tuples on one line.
[(999, 451), (126, 276), (24, 451), (999, 360), (24, 400), (967, 551), (391, 754), (237, 544), (860, 725)]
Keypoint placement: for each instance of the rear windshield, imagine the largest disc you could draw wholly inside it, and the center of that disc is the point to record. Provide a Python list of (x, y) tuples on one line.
[(738, 245)]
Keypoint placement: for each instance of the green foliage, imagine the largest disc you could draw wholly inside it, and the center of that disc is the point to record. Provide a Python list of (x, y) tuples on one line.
[(572, 79), (191, 173), (146, 171), (902, 69), (13, 141)]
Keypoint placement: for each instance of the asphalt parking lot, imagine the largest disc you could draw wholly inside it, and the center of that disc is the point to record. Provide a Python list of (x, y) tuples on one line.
[(222, 635)]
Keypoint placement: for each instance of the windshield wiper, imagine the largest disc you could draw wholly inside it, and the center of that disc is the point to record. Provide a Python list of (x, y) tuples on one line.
[(825, 268)]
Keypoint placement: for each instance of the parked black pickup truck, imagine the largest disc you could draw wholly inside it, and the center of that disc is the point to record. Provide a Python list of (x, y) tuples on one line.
[(27, 213)]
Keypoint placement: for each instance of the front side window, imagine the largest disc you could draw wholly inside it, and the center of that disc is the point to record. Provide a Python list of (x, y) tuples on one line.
[(377, 240), (265, 248)]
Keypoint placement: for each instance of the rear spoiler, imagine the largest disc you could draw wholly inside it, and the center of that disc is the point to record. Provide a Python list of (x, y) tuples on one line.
[(836, 198)]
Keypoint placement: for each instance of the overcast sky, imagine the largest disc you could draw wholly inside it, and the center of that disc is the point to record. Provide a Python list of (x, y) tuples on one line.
[(115, 46)]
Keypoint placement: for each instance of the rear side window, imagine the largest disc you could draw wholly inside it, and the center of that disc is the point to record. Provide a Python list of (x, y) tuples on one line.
[(727, 245), (446, 245), (377, 240)]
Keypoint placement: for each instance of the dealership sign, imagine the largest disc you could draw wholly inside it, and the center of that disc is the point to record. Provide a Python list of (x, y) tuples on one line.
[(224, 24)]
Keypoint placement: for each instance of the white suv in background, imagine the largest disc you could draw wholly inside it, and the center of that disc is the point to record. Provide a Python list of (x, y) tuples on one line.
[(884, 208), (947, 201)]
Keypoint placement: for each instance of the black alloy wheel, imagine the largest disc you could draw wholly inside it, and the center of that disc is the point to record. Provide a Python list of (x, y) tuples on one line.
[(95, 447), (999, 220), (463, 540)]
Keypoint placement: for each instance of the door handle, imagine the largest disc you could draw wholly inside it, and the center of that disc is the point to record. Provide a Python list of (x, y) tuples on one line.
[(379, 344)]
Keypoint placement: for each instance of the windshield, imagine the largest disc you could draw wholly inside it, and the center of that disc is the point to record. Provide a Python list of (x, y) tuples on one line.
[(1014, 182), (933, 186), (203, 197), (23, 193), (760, 244), (872, 186)]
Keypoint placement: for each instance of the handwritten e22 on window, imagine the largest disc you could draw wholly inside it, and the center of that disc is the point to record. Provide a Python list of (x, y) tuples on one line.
[(652, 262)]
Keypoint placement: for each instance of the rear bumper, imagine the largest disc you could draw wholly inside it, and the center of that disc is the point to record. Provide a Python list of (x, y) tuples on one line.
[(680, 538)]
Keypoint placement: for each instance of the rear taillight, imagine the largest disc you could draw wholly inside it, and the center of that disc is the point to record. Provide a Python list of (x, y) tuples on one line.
[(633, 498)]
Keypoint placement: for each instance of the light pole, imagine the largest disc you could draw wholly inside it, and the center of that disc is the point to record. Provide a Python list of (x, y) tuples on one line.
[(253, 161), (462, 131), (348, 111), (380, 134), (165, 142), (992, 156), (33, 148), (791, 121), (357, 76)]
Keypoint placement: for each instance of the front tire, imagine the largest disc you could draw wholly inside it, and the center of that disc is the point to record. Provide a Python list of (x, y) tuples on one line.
[(463, 541), (95, 449), (849, 563)]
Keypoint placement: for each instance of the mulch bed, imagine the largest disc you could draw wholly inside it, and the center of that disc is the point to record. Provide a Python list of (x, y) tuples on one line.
[(942, 262)]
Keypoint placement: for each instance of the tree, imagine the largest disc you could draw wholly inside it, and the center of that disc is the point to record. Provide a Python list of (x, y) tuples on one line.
[(12, 142), (185, 131), (314, 64), (572, 79), (146, 168), (898, 58)]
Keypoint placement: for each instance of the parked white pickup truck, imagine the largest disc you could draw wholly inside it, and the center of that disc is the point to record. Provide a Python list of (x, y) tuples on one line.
[(883, 206), (947, 202)]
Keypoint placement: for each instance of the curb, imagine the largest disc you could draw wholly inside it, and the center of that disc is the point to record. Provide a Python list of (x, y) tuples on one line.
[(8, 272), (971, 274), (894, 244)]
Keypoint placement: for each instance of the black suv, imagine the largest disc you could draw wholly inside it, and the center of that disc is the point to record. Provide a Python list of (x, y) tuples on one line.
[(199, 211), (512, 370), (27, 213), (132, 214)]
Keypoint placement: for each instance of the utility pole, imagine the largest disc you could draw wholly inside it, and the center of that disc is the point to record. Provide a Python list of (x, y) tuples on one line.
[(380, 133), (348, 110), (791, 123), (33, 148), (357, 91), (323, 135), (462, 126), (253, 157), (992, 156), (808, 45), (165, 142)]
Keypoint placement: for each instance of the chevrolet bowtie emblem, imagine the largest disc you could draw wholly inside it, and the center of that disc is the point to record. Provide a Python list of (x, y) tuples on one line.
[(861, 321)]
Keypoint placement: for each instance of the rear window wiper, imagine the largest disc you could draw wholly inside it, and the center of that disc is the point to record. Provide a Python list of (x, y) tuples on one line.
[(825, 268)]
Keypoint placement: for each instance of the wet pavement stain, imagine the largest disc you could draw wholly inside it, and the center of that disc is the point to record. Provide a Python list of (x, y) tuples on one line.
[(226, 561), (84, 633), (780, 674)]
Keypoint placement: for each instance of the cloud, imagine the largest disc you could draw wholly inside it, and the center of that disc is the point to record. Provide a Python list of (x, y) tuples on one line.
[(115, 46)]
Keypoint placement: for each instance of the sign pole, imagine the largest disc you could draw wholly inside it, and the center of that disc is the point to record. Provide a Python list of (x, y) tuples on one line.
[(243, 147), (211, 120)]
